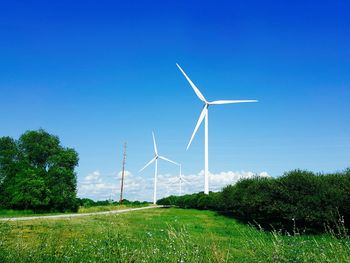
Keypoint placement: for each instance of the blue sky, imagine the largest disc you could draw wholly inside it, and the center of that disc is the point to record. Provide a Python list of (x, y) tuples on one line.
[(98, 73)]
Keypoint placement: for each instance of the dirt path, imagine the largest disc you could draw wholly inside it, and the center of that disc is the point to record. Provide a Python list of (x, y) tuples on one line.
[(77, 215)]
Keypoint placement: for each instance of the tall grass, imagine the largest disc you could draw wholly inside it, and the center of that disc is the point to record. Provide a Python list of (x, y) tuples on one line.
[(163, 235)]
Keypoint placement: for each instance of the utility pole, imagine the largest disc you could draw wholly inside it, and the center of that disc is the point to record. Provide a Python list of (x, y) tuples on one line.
[(122, 182)]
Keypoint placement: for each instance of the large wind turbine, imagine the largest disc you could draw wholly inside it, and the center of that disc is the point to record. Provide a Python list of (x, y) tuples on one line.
[(155, 159), (204, 114)]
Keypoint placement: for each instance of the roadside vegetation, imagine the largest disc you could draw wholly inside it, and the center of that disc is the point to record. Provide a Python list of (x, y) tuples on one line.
[(311, 202), (37, 176), (88, 205), (162, 235), (85, 206), (12, 213)]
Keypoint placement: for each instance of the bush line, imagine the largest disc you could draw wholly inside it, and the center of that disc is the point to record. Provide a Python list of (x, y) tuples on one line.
[(298, 199)]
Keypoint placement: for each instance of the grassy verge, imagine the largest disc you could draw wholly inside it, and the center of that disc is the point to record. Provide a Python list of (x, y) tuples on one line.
[(102, 208), (13, 213), (161, 235)]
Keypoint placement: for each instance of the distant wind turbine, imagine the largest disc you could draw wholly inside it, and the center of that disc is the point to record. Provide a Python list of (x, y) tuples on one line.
[(204, 114), (155, 159), (181, 179)]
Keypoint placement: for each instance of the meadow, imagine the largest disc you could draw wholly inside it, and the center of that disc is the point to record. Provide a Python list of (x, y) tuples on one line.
[(162, 235)]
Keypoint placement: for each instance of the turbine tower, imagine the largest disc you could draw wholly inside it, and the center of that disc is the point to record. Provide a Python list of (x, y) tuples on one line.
[(155, 159), (204, 115), (180, 180)]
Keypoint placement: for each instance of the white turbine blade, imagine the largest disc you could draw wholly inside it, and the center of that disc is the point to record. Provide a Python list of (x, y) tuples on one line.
[(201, 117), (217, 102), (151, 161), (154, 144), (196, 90), (166, 159)]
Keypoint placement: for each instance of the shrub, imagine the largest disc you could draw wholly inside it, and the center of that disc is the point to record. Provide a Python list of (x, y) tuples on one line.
[(299, 199)]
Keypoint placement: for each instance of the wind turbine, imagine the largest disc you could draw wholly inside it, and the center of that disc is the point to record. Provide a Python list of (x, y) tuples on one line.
[(204, 114), (155, 159), (181, 179)]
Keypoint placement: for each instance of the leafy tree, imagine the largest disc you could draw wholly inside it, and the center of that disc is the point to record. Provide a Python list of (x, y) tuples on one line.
[(28, 190), (37, 173), (62, 180), (8, 169)]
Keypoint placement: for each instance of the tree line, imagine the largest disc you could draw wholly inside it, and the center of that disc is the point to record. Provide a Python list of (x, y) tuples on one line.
[(37, 173), (87, 202), (298, 199)]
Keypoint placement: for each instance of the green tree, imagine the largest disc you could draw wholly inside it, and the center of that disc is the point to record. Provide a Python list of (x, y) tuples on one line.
[(62, 180), (8, 158), (29, 190), (37, 173)]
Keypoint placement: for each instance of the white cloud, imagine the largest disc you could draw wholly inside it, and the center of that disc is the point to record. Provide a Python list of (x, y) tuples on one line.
[(264, 174), (102, 187), (93, 186), (93, 177), (126, 174), (99, 187), (195, 182)]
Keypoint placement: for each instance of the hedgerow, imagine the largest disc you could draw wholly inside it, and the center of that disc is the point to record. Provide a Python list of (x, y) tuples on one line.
[(311, 202)]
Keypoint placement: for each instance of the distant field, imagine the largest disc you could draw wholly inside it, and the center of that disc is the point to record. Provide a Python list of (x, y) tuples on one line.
[(160, 235)]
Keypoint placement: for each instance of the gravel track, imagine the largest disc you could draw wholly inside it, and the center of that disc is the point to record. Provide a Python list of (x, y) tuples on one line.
[(63, 216)]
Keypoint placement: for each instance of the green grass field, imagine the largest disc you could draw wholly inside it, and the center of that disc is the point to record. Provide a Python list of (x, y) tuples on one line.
[(160, 235)]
